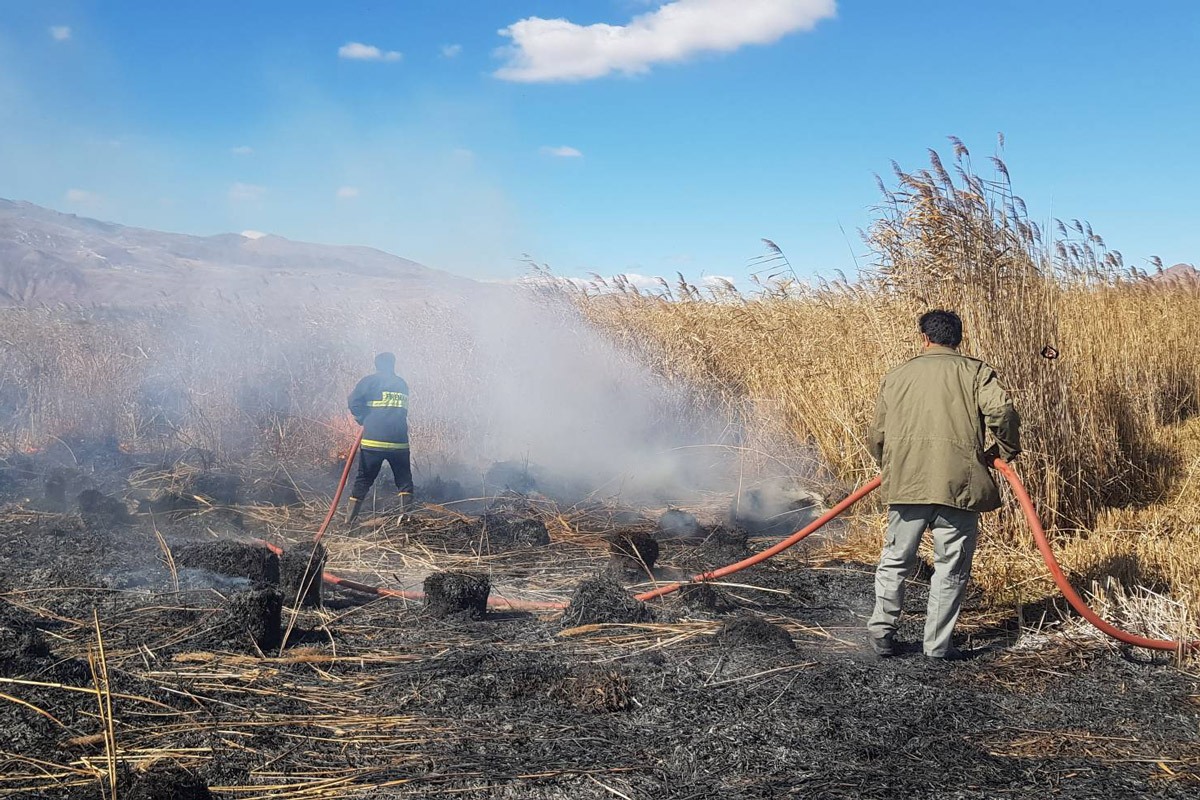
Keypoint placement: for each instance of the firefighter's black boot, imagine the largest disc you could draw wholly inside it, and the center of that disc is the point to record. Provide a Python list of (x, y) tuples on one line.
[(353, 509)]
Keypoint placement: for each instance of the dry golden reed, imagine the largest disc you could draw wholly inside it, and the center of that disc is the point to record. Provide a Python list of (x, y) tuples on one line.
[(1101, 423)]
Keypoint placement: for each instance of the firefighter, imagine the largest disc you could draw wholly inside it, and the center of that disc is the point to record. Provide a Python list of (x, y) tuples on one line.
[(933, 415), (380, 404)]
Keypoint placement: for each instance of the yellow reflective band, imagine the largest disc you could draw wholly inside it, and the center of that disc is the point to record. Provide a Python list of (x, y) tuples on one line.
[(371, 444), (389, 400)]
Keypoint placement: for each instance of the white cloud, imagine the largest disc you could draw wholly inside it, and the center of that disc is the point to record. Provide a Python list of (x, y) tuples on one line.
[(357, 51), (560, 50), (462, 155), (60, 33), (562, 152), (82, 197), (253, 234), (246, 192), (241, 150), (643, 283), (347, 192), (451, 50)]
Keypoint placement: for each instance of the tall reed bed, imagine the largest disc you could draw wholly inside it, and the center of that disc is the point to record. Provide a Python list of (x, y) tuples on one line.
[(1097, 419)]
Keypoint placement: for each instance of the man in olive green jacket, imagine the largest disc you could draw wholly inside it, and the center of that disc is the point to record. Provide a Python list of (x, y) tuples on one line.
[(930, 422)]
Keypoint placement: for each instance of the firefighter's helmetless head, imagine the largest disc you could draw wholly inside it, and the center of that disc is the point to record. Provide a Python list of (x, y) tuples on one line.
[(385, 363)]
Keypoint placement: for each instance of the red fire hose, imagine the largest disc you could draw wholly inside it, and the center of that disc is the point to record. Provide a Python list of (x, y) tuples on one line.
[(1031, 517), (772, 551), (341, 487), (1064, 586)]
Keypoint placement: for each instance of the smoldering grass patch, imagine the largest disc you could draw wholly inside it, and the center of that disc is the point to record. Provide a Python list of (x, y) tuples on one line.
[(101, 510), (679, 525)]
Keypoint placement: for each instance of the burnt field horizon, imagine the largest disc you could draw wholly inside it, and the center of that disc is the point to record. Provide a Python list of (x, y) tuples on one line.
[(146, 634)]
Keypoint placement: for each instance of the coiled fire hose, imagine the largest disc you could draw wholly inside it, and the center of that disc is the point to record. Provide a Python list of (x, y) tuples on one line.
[(1004, 468)]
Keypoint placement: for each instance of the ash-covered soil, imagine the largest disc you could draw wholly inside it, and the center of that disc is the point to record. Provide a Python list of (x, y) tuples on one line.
[(762, 687)]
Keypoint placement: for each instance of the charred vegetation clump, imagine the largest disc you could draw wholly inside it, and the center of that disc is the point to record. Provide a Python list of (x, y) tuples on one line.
[(595, 691), (451, 593), (502, 530), (704, 598), (300, 570), (253, 562), (751, 631), (250, 620), (603, 600), (99, 510), (632, 552)]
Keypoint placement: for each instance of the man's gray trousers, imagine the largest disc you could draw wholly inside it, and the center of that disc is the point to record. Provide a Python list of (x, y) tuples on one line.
[(954, 535)]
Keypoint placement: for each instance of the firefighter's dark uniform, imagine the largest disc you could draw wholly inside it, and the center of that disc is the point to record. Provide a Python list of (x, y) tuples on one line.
[(380, 404)]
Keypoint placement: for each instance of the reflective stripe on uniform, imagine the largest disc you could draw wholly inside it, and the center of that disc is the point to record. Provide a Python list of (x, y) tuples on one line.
[(372, 444), (389, 400)]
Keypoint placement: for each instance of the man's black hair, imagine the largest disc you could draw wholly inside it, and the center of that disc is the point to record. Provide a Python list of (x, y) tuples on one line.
[(942, 327), (385, 363)]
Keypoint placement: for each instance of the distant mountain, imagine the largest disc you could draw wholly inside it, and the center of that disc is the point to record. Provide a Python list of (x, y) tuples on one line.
[(1178, 275), (47, 257)]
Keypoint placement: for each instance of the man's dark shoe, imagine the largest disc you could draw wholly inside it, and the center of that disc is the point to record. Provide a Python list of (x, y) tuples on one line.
[(884, 646), (953, 654)]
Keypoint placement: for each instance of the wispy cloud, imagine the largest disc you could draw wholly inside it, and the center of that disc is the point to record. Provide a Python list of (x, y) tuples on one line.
[(357, 51), (562, 151), (545, 50), (451, 50), (246, 192), (82, 197), (241, 150), (347, 192), (60, 33)]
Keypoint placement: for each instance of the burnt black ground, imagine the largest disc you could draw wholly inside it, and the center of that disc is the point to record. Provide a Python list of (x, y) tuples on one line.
[(514, 706)]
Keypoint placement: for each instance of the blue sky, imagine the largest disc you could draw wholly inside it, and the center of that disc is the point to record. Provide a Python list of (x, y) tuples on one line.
[(672, 141)]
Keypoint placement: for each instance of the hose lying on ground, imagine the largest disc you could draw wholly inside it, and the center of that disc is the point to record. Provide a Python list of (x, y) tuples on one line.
[(1004, 468), (1064, 586)]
